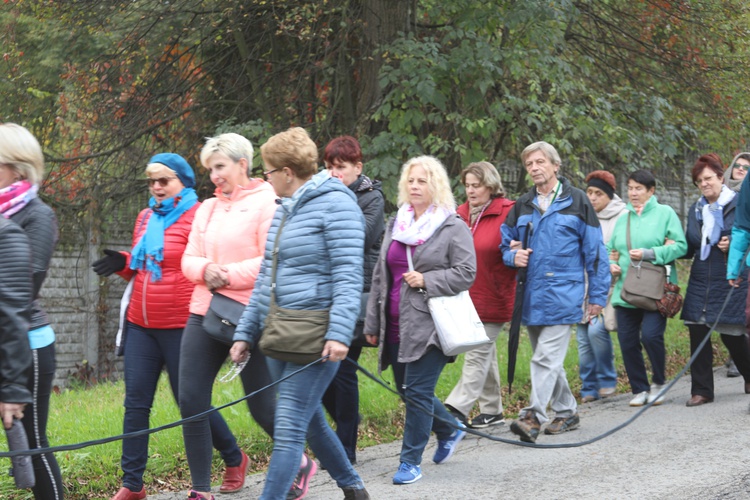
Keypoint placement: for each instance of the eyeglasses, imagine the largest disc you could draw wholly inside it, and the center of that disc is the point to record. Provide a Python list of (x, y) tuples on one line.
[(269, 172), (743, 167), (163, 181)]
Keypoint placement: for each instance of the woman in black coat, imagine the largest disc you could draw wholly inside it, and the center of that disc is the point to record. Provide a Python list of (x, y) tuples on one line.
[(21, 172), (15, 305), (710, 221)]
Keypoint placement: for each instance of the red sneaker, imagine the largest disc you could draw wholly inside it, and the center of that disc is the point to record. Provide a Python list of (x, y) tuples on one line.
[(234, 477)]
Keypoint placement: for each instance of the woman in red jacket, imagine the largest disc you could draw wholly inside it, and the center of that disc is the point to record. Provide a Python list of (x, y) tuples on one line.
[(157, 313), (493, 292)]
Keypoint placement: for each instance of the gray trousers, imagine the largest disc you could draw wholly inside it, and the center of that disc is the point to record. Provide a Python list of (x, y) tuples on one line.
[(480, 378), (549, 385)]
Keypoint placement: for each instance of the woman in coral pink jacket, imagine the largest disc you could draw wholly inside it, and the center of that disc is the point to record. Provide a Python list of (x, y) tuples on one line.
[(223, 254), (157, 311), (493, 293)]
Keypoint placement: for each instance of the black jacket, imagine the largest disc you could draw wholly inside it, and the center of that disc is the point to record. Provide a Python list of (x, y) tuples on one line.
[(371, 202), (707, 286), (15, 308), (40, 224)]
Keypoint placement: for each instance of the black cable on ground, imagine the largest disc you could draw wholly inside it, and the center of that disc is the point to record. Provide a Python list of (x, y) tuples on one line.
[(665, 389)]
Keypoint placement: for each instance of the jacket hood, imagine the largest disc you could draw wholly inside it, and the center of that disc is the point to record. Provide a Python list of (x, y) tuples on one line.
[(613, 209), (318, 185), (364, 183)]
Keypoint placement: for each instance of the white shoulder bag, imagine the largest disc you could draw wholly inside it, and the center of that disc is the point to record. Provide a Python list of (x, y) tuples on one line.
[(456, 320)]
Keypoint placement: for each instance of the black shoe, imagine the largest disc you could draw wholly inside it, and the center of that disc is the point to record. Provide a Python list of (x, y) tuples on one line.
[(563, 424), (732, 371), (457, 414), (527, 428), (485, 420)]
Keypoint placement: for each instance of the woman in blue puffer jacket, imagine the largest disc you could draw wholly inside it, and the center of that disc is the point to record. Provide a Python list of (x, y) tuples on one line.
[(319, 267)]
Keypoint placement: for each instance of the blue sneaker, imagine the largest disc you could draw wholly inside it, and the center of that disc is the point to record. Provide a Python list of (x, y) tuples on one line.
[(446, 447), (407, 474)]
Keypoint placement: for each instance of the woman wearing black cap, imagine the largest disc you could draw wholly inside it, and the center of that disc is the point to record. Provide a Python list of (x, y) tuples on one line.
[(595, 353), (157, 310)]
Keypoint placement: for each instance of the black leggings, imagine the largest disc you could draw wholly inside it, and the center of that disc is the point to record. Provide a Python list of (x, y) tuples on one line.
[(201, 358), (49, 485)]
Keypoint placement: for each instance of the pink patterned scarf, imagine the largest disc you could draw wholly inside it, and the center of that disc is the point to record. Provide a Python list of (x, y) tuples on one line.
[(411, 232), (16, 196)]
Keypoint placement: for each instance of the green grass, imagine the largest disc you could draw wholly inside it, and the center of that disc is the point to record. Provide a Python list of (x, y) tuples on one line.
[(94, 413)]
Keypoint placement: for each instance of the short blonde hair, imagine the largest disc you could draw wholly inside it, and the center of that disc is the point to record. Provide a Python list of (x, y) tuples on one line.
[(234, 146), (294, 149), (21, 151), (547, 150), (488, 176), (437, 182)]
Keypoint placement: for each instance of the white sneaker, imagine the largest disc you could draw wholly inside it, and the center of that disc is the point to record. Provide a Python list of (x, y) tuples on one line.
[(652, 397), (639, 399)]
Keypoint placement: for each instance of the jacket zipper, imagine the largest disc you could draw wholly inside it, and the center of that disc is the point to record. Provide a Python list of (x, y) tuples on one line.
[(143, 301)]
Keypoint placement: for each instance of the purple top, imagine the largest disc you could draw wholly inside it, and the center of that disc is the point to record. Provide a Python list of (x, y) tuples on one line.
[(397, 265)]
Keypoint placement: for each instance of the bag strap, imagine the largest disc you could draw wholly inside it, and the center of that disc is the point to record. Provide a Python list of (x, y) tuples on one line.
[(275, 255), (409, 258), (627, 233)]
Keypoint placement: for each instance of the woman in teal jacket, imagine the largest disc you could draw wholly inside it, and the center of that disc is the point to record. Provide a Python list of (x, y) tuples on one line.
[(656, 236)]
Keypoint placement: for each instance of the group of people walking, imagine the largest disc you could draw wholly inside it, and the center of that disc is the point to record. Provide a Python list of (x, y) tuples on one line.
[(310, 253)]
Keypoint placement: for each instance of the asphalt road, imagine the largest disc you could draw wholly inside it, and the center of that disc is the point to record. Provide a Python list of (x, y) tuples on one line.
[(669, 452)]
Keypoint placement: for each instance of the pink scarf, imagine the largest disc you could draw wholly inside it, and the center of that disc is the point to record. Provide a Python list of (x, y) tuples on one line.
[(16, 196), (411, 232)]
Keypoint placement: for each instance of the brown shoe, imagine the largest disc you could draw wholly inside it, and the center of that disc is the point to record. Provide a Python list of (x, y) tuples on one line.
[(698, 400), (234, 477), (747, 387), (127, 494), (588, 399), (526, 427), (563, 424)]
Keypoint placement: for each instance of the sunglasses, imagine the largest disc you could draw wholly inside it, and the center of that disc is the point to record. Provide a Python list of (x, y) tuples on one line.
[(163, 181), (743, 167)]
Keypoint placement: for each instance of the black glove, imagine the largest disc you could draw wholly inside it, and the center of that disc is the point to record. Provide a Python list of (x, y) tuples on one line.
[(112, 262)]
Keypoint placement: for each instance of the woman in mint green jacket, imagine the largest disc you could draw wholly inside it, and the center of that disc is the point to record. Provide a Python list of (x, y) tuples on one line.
[(656, 236)]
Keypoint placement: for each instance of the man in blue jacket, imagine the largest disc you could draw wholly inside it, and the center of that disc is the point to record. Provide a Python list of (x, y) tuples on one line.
[(565, 247)]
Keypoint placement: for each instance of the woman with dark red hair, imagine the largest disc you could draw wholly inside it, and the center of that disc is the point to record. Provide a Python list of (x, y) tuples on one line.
[(709, 228), (343, 159)]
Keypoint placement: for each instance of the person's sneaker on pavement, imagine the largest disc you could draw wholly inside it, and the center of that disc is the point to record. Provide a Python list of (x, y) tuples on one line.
[(407, 474), (301, 483), (563, 424), (526, 427), (654, 396), (640, 399), (485, 420), (447, 447)]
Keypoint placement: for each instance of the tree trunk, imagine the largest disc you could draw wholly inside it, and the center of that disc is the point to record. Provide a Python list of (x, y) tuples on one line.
[(382, 22)]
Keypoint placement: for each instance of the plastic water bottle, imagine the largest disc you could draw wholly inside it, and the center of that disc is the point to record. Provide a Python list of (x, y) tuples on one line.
[(22, 469)]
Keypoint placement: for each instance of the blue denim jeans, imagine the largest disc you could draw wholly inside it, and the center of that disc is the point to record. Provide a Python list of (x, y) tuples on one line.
[(636, 328), (147, 352), (596, 358), (300, 417), (417, 381)]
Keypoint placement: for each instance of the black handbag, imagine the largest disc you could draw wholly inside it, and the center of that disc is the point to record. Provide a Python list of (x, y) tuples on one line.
[(292, 335), (222, 317)]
